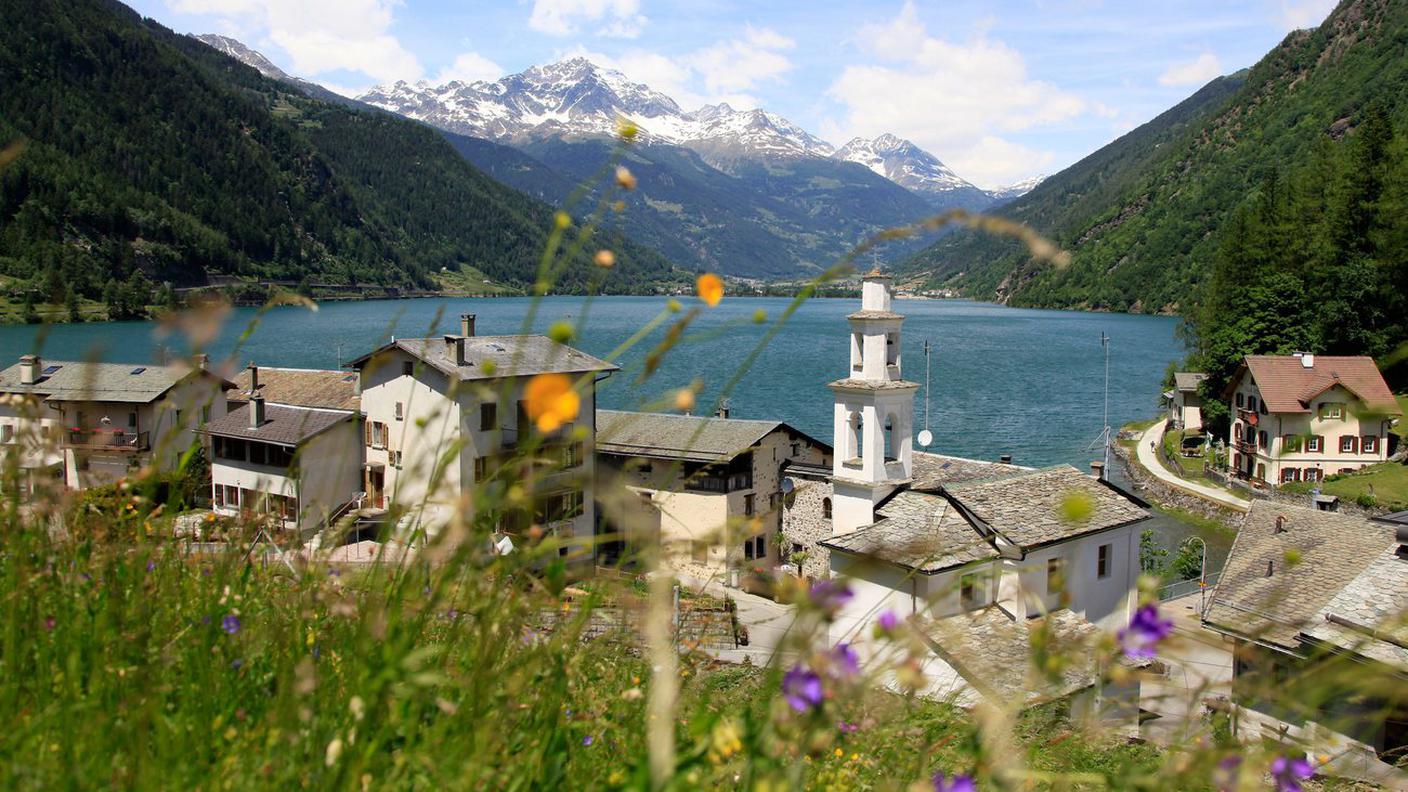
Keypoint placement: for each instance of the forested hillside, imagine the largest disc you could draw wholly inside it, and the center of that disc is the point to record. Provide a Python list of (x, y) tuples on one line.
[(1145, 217), (145, 151)]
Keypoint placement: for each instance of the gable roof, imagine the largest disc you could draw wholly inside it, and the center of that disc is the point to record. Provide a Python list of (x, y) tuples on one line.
[(69, 380), (1187, 381), (494, 357), (1333, 550), (328, 389), (920, 531), (1288, 386), (1032, 508), (929, 472), (287, 426), (692, 438), (1366, 616)]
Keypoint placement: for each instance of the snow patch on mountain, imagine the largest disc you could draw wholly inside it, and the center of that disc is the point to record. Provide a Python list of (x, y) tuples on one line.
[(904, 163)]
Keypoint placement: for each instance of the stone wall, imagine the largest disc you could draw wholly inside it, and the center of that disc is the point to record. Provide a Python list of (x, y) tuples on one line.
[(804, 524), (1291, 498), (1167, 495)]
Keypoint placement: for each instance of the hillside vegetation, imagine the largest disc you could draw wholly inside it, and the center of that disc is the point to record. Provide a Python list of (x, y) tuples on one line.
[(139, 150)]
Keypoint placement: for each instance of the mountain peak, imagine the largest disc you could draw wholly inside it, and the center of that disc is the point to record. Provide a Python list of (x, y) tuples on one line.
[(239, 51), (908, 165)]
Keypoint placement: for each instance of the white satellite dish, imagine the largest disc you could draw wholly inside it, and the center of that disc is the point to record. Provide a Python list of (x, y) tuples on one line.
[(503, 546), (787, 486), (926, 437)]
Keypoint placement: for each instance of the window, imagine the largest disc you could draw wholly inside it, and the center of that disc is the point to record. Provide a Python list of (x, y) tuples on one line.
[(1290, 444), (1331, 410), (796, 449), (968, 589), (1055, 576), (488, 416), (1251, 403), (1261, 471), (826, 508), (1369, 445), (1315, 444), (180, 415), (1313, 474), (1289, 474), (1262, 409), (1261, 439), (408, 368), (748, 504), (258, 453), (7, 433), (376, 434), (1102, 560), (756, 548), (132, 420), (1241, 401), (1349, 444), (400, 411)]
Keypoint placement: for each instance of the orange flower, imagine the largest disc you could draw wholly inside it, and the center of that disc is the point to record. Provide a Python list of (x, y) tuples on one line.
[(710, 288), (551, 401), (605, 259)]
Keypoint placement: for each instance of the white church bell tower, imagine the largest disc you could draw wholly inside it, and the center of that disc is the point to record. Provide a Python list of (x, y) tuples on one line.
[(874, 411)]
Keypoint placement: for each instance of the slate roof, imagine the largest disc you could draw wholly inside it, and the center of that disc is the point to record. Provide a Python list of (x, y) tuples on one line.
[(287, 426), (505, 356), (1187, 381), (331, 390), (1334, 549), (874, 315), (71, 380), (1036, 507), (1375, 603), (993, 652), (1288, 387), (1396, 518), (919, 531), (692, 438), (931, 471)]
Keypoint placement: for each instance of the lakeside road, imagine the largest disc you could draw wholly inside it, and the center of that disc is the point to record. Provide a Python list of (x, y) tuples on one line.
[(1147, 450)]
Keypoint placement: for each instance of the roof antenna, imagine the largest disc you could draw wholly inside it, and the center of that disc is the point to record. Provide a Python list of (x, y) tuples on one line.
[(926, 437), (1103, 439)]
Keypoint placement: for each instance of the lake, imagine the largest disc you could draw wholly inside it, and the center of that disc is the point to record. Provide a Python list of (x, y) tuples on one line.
[(1029, 383)]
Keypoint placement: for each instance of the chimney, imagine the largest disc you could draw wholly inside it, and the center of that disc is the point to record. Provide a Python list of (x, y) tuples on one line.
[(1097, 469), (203, 361), (29, 369), (1005, 459), (253, 379), (1307, 360), (256, 412), (722, 412), (1270, 568), (467, 325), (1280, 524), (1403, 542), (454, 346)]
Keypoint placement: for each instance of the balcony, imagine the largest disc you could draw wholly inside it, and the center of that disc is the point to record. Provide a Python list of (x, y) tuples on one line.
[(1245, 446), (1250, 417), (105, 440), (729, 483)]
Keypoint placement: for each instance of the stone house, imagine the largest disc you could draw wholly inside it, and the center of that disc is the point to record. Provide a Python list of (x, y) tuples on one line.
[(1303, 417), (78, 424), (717, 483)]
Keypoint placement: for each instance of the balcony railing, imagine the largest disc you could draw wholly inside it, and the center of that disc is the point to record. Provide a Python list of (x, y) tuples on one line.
[(730, 483), (98, 439), (1245, 446), (1249, 416)]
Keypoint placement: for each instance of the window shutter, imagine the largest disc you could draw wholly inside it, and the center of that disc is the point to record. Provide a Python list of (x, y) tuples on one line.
[(367, 432)]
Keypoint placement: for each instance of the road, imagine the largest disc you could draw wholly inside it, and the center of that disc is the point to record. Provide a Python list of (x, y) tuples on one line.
[(1149, 457)]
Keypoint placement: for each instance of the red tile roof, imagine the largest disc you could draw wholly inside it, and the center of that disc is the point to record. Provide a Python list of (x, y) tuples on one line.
[(1288, 386)]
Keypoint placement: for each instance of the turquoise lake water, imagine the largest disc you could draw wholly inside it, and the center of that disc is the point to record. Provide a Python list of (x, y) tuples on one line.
[(1003, 380)]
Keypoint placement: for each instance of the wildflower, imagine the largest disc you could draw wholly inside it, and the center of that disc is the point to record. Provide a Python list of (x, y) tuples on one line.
[(1227, 772), (624, 178), (959, 783), (886, 623), (551, 401), (236, 664), (1289, 771), (847, 728), (626, 128), (684, 400), (1144, 631), (151, 565), (829, 595), (844, 662), (724, 741), (710, 288), (802, 689), (587, 740), (230, 624), (334, 752), (49, 623), (562, 220), (605, 259)]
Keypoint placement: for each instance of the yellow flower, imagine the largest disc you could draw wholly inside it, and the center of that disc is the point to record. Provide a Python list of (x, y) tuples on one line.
[(710, 288), (684, 399), (624, 178), (551, 401), (605, 259)]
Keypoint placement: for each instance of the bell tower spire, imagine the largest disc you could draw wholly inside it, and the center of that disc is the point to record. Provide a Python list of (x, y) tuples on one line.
[(874, 411)]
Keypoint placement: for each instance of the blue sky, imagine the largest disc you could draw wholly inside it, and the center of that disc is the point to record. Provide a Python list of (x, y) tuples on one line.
[(998, 90)]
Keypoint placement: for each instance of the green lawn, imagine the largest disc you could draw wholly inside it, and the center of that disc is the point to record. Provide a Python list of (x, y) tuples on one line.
[(1401, 428), (1384, 485)]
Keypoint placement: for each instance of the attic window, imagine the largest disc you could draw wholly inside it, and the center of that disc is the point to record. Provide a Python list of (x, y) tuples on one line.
[(51, 369), (134, 372)]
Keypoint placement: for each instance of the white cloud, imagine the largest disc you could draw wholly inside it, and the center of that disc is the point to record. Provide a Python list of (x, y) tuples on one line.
[(469, 67), (954, 99), (616, 18), (1298, 14), (320, 35), (1194, 72)]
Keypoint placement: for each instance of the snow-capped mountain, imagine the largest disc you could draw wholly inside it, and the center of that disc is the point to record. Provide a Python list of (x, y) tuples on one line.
[(237, 50), (1017, 190), (576, 98), (907, 165)]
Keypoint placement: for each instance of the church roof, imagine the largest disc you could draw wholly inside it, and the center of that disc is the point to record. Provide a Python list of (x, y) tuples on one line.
[(919, 531)]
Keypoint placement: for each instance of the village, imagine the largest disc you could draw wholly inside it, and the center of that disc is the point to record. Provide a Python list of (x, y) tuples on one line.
[(374, 462)]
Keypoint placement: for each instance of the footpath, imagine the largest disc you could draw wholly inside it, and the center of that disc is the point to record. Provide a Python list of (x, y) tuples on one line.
[(1148, 454)]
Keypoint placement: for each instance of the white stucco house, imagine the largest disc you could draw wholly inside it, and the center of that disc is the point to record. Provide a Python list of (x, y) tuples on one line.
[(290, 447), (445, 416), (1303, 417), (972, 554), (1185, 405), (77, 424)]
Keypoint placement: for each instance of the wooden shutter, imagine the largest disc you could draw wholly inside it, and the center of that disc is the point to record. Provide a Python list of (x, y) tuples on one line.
[(367, 432)]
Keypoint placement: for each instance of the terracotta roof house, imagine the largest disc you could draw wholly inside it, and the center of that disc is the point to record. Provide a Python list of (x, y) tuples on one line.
[(1302, 417), (1306, 595)]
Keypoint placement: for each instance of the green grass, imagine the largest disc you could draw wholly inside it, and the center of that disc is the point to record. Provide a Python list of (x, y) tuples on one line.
[(469, 280), (1401, 428), (1384, 486)]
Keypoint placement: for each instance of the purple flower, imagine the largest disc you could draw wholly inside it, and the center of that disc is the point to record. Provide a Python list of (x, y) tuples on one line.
[(236, 664), (959, 783), (151, 565), (1145, 630), (844, 662), (49, 623), (587, 740), (847, 728), (1288, 772), (829, 595), (888, 622), (802, 689), (230, 624), (1227, 772)]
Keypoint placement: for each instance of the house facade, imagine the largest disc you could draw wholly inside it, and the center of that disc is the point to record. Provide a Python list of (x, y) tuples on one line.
[(1303, 417), (78, 424), (446, 415), (715, 481), (290, 447), (1185, 405)]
